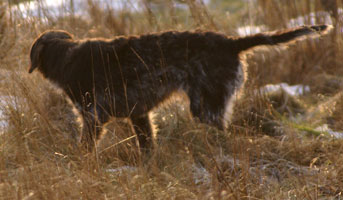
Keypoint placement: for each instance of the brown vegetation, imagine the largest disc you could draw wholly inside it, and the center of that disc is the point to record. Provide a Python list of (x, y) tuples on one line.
[(271, 151)]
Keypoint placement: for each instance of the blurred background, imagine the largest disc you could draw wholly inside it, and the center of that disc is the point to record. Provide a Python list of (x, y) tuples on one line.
[(108, 18), (285, 140)]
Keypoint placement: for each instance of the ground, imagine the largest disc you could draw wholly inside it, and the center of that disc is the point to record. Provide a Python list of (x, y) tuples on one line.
[(284, 142)]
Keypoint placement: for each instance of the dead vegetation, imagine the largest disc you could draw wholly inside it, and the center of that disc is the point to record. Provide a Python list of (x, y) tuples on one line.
[(272, 150)]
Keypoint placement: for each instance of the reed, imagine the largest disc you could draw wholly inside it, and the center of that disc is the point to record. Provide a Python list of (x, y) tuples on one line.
[(272, 150)]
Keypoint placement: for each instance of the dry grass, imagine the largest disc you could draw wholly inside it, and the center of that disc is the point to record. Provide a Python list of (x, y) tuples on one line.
[(271, 151)]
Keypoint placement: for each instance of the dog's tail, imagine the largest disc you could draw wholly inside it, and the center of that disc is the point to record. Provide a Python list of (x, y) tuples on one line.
[(275, 38)]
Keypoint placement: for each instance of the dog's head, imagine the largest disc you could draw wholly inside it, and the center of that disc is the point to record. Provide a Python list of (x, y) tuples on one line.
[(43, 40)]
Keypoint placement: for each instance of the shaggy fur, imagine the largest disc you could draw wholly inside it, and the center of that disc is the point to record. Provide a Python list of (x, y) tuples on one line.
[(129, 76)]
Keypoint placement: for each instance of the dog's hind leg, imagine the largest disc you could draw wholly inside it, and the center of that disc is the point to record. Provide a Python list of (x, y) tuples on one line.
[(209, 108)]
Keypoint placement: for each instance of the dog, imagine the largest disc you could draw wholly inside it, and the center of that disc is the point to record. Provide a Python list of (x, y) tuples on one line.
[(129, 76)]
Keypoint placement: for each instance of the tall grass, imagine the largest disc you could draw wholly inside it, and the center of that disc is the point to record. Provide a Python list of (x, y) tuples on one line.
[(270, 151)]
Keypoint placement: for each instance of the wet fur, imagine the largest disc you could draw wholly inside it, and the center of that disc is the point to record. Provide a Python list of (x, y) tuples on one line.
[(129, 76)]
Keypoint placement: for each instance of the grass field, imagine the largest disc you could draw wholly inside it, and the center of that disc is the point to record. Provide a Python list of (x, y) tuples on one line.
[(279, 145)]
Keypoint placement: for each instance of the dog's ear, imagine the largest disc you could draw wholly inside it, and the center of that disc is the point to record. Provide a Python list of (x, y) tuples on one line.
[(35, 55)]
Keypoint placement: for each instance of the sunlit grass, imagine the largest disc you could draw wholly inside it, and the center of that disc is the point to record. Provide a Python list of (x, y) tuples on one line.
[(272, 149)]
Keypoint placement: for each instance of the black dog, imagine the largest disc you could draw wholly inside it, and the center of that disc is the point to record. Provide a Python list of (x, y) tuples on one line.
[(128, 76)]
